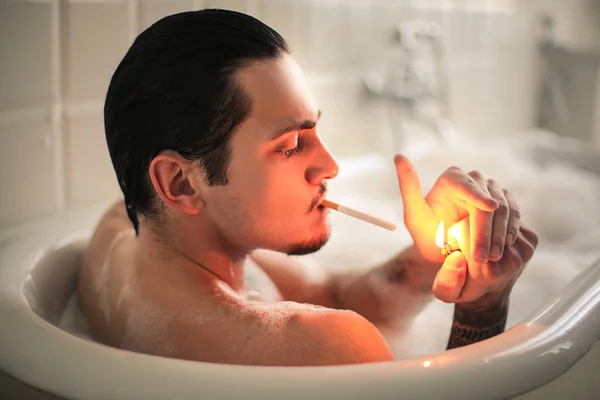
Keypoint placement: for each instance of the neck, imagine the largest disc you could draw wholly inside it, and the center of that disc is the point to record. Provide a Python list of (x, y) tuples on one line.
[(199, 249)]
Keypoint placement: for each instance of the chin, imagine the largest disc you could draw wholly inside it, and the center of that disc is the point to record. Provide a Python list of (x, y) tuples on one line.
[(308, 247)]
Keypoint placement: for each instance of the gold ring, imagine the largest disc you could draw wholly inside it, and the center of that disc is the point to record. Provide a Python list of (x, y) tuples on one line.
[(450, 246)]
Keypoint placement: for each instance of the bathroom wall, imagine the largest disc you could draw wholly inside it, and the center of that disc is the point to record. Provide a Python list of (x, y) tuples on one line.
[(57, 56)]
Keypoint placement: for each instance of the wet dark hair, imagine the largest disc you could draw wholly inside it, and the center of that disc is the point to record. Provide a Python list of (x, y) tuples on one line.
[(175, 90)]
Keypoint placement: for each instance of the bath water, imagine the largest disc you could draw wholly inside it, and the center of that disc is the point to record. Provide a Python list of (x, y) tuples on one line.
[(558, 201)]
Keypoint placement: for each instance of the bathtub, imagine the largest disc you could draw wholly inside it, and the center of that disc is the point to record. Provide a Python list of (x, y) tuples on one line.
[(38, 271)]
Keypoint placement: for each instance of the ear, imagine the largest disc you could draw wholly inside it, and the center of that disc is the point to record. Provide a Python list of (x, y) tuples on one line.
[(171, 176)]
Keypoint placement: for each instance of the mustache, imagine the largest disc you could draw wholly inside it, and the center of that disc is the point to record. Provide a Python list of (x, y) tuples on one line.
[(319, 198)]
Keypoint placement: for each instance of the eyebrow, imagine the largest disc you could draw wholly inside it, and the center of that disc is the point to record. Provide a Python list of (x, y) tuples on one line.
[(296, 126)]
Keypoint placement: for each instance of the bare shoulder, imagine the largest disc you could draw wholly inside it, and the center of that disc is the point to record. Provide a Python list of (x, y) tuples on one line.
[(282, 334), (338, 337), (322, 336), (113, 222), (97, 282), (113, 225)]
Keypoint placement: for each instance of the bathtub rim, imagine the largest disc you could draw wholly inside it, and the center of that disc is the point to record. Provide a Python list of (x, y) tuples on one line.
[(550, 342)]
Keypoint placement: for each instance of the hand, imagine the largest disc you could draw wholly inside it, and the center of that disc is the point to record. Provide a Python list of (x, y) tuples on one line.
[(494, 215), (462, 281)]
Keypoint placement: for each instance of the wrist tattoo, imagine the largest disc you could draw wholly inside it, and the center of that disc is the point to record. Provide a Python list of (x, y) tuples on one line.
[(476, 328)]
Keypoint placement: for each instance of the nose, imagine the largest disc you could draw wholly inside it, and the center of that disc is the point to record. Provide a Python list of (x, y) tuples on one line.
[(323, 167)]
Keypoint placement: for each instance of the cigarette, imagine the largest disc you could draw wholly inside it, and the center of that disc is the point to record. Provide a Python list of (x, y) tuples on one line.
[(359, 215)]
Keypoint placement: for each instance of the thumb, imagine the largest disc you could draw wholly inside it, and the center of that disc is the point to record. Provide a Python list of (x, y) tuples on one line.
[(410, 187), (451, 278)]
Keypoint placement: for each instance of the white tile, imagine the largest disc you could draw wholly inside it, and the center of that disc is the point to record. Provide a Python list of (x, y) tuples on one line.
[(516, 99), (150, 11), (356, 39), (95, 38), (26, 170), (24, 54), (235, 5), (383, 20), (324, 35), (300, 37), (467, 96), (279, 15), (333, 35), (90, 177), (292, 20), (350, 124), (495, 98)]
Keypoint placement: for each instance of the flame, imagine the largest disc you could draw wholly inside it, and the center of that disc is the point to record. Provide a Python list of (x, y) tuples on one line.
[(440, 235), (427, 363)]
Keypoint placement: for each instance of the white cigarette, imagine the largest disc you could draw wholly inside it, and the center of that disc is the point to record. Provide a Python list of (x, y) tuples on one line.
[(360, 215)]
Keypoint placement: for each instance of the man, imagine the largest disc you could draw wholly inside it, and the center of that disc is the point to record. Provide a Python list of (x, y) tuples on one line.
[(211, 129)]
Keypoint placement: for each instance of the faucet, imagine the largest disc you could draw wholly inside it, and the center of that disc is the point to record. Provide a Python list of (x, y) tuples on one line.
[(404, 83)]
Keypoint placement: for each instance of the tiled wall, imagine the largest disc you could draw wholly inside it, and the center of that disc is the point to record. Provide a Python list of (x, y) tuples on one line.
[(57, 56)]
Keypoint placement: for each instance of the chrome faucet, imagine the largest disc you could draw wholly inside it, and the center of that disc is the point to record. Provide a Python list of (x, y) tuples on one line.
[(407, 85)]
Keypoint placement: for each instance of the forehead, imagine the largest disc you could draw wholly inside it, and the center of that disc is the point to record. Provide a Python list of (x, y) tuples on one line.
[(279, 91)]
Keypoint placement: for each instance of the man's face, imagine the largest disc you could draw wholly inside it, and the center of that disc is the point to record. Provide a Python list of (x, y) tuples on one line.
[(278, 167)]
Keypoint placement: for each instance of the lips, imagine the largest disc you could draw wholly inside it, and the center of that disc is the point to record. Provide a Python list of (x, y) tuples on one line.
[(317, 202), (320, 197), (321, 201)]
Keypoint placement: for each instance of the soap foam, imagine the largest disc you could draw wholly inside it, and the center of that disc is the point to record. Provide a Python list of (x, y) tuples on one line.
[(72, 319)]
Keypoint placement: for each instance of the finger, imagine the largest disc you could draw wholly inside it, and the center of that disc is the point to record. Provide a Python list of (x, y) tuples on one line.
[(529, 235), (481, 226), (464, 187), (514, 220), (500, 223), (451, 278), (410, 187), (519, 254)]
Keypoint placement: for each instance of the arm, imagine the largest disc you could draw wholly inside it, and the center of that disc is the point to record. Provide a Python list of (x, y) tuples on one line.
[(386, 295), (390, 294), (478, 321)]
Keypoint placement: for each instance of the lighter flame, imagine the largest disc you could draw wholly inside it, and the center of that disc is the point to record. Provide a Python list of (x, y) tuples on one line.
[(440, 235), (427, 364), (455, 231)]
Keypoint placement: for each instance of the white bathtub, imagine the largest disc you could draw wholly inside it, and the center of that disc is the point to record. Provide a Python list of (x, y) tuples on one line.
[(38, 269)]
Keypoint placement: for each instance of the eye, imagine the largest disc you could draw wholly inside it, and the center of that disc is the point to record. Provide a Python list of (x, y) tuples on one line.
[(286, 152), (290, 152)]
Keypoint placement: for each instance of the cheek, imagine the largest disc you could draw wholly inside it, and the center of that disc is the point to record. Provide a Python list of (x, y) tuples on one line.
[(269, 185), (250, 185), (285, 192)]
